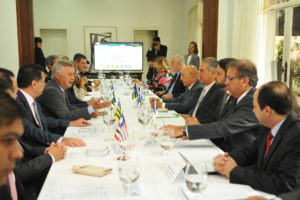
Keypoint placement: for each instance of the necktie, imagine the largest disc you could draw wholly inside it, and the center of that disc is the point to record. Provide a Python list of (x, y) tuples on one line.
[(223, 102), (269, 139), (199, 101), (12, 186), (172, 84), (37, 116)]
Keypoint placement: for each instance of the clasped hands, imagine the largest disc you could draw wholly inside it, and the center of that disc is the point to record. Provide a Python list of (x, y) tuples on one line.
[(158, 103), (224, 164)]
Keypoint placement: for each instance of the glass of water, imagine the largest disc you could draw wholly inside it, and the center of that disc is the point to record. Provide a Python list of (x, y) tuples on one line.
[(196, 178), (167, 140), (109, 117), (129, 172)]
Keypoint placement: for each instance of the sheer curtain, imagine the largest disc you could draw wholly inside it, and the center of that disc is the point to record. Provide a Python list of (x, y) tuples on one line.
[(195, 25)]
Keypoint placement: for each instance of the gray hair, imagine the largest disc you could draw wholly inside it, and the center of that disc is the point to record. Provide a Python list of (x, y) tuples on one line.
[(245, 68), (212, 63), (50, 59), (59, 67), (179, 58)]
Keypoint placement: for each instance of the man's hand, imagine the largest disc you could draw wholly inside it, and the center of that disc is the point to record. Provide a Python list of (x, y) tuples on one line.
[(99, 105), (152, 100), (83, 81), (178, 130), (80, 123), (160, 93), (219, 162), (97, 82), (229, 166), (73, 142), (91, 101), (256, 198), (167, 96), (95, 114), (184, 116), (58, 151), (96, 88), (192, 121)]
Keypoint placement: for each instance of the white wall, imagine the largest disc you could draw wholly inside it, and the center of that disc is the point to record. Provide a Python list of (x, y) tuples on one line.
[(225, 28), (9, 36), (167, 16)]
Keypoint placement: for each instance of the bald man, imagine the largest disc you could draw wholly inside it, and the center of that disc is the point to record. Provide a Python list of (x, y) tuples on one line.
[(183, 103)]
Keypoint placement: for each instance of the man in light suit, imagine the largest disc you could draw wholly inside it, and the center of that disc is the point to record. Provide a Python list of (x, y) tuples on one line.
[(239, 127), (183, 103), (39, 129), (271, 163), (176, 87), (55, 101)]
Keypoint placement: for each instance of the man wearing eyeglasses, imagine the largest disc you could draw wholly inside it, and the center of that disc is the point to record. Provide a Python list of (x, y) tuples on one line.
[(240, 126)]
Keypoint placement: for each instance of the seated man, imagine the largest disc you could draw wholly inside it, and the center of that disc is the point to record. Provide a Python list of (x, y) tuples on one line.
[(183, 103), (54, 99), (39, 129), (81, 64), (271, 163), (50, 62), (239, 127), (176, 87), (11, 129)]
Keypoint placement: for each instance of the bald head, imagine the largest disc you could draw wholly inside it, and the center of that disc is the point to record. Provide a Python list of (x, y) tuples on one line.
[(177, 62), (189, 75)]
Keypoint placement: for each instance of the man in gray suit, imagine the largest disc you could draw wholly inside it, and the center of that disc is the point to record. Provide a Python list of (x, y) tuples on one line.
[(240, 126), (183, 103), (54, 99)]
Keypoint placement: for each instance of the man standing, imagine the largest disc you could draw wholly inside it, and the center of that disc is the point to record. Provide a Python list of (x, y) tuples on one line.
[(176, 87), (157, 48), (271, 163)]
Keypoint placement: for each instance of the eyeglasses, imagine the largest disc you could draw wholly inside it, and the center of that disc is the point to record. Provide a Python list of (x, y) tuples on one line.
[(230, 79)]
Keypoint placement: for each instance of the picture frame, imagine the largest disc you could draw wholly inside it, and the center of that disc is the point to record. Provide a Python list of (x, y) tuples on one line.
[(94, 34)]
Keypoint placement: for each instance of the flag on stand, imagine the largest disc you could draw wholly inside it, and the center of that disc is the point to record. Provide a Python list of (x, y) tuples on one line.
[(113, 101), (135, 92), (140, 98), (118, 112), (155, 113), (121, 132)]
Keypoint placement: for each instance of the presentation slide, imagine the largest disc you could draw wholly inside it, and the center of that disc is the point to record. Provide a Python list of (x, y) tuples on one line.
[(116, 56)]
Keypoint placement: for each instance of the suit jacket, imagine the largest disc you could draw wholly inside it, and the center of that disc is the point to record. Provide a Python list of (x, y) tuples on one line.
[(195, 60), (183, 103), (33, 134), (228, 107), (32, 169), (40, 58), (238, 128), (206, 111), (48, 77), (279, 171), (162, 52), (57, 105), (294, 195), (178, 88), (5, 191), (74, 101)]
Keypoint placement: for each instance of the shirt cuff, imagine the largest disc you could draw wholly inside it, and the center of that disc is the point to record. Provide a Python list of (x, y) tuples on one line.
[(163, 105), (90, 109), (185, 130), (52, 157), (59, 140)]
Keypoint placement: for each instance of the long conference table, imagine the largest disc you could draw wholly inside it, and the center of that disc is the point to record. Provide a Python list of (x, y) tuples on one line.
[(153, 182)]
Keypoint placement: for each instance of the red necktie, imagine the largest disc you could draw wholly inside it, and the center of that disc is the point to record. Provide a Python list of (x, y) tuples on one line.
[(12, 186), (269, 139)]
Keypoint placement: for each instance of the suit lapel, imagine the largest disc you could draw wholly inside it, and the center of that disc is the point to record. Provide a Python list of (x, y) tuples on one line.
[(207, 95), (278, 138), (26, 105)]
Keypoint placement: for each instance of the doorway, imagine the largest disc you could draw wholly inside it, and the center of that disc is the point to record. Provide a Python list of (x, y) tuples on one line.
[(145, 36), (54, 42)]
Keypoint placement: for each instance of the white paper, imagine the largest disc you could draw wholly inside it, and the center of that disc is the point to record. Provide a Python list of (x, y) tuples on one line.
[(173, 168)]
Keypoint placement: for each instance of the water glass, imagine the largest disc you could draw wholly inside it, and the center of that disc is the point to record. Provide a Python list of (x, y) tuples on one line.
[(167, 140), (196, 177)]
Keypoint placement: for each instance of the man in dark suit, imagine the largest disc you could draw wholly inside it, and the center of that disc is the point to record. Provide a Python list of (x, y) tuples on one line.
[(183, 103), (11, 128), (176, 87), (157, 48), (38, 128), (239, 127), (55, 101), (50, 62), (81, 65), (271, 163)]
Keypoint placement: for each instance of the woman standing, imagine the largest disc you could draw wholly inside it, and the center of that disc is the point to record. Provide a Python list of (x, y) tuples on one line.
[(192, 58), (39, 55), (162, 78)]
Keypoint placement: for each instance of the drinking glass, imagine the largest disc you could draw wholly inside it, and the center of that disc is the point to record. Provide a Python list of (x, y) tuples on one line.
[(109, 117), (125, 143), (167, 140), (129, 172), (156, 132), (196, 178), (144, 115)]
